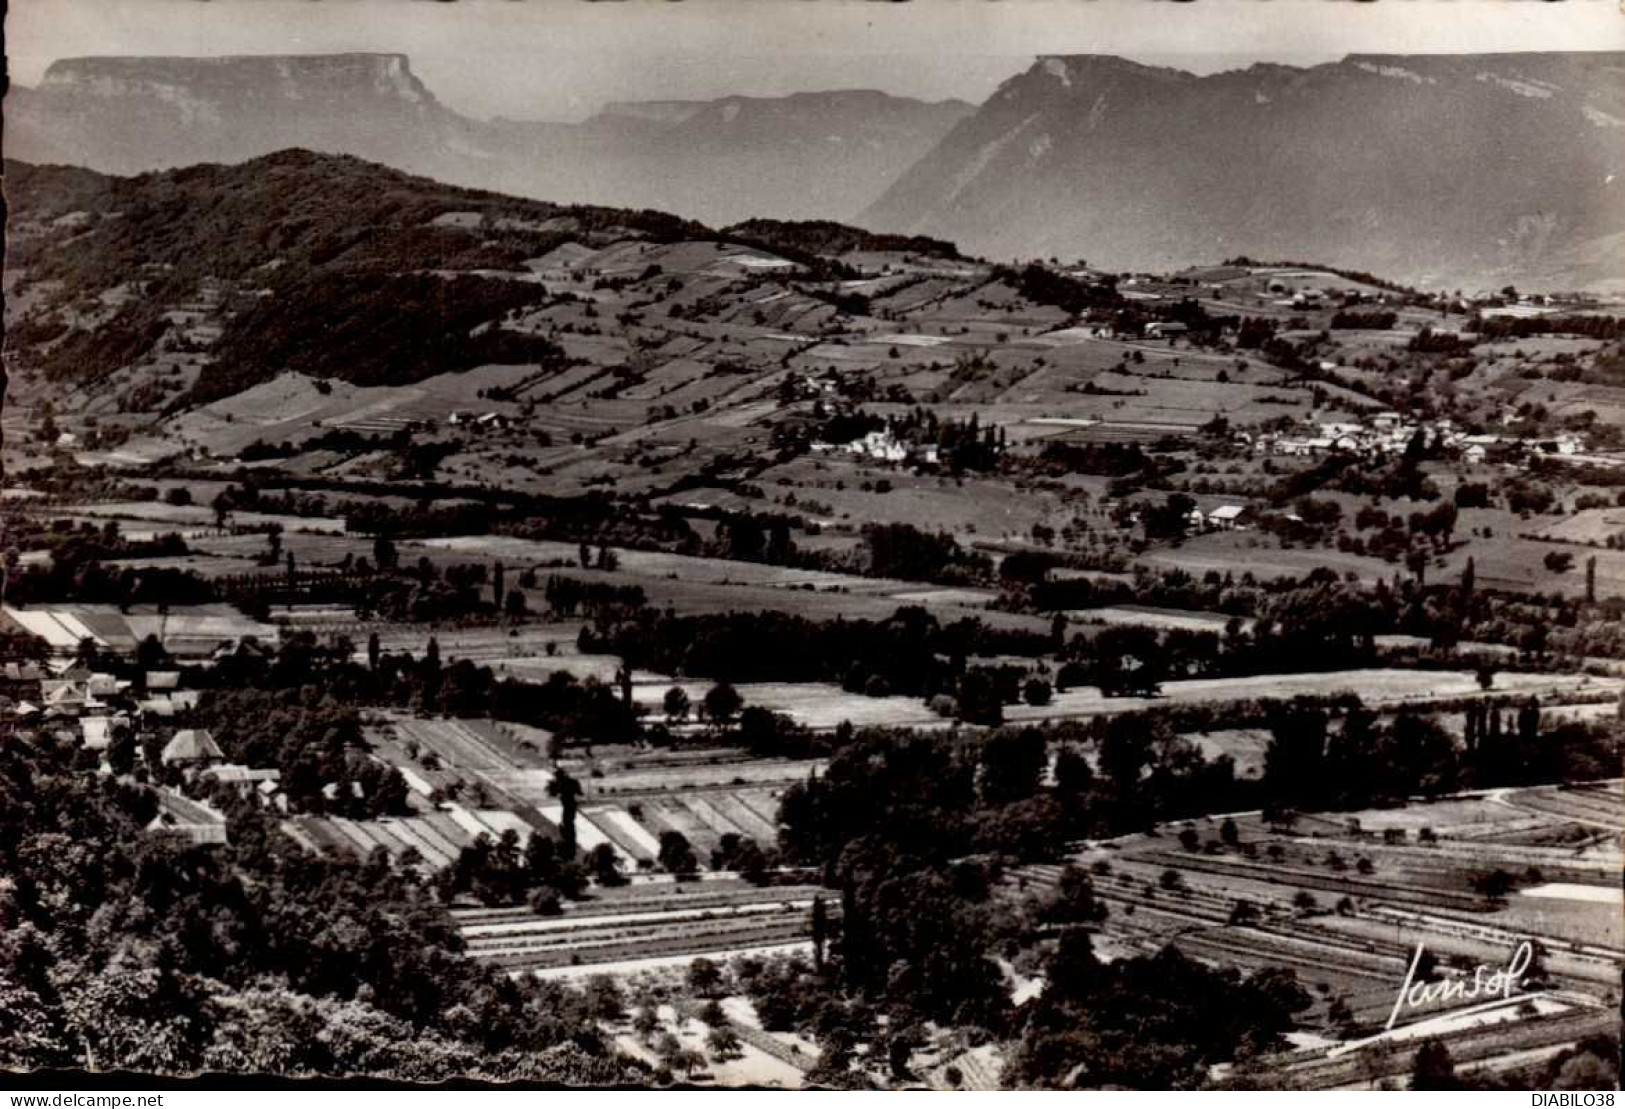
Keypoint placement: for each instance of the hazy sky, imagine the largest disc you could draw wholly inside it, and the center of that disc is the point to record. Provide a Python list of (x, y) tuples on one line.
[(561, 59)]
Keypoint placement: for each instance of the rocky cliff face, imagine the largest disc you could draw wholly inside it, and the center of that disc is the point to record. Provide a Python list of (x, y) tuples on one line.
[(131, 115), (1470, 170)]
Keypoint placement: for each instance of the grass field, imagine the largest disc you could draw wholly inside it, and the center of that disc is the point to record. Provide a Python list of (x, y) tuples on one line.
[(1161, 618), (1379, 687)]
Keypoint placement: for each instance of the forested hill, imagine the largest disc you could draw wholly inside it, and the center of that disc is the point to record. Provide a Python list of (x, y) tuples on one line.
[(124, 949), (326, 264), (286, 210), (318, 263)]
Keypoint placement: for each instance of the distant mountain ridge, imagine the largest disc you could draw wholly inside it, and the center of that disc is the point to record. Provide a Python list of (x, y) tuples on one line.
[(809, 155), (1439, 170), (133, 115), (1468, 171)]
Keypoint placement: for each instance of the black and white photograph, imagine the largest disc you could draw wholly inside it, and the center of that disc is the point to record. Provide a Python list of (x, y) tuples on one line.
[(844, 546)]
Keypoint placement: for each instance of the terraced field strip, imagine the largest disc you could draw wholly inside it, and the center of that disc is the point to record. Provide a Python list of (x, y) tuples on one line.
[(360, 842), (675, 816), (470, 736), (1489, 933), (429, 737), (710, 816), (588, 834), (389, 837), (428, 831), (667, 770), (504, 821), (656, 783), (1332, 883), (732, 806), (624, 847), (651, 897), (432, 852), (500, 933), (1230, 946), (454, 744), (1194, 906), (327, 837), (689, 938), (1212, 894), (1581, 808), (503, 741), (1477, 832), (454, 834), (296, 832), (472, 826), (660, 758), (1460, 854), (1588, 972), (1360, 1067), (634, 839), (391, 750)]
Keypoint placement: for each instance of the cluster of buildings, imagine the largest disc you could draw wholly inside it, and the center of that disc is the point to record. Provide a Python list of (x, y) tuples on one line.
[(1381, 433), (885, 446), (482, 421), (92, 709), (1387, 433)]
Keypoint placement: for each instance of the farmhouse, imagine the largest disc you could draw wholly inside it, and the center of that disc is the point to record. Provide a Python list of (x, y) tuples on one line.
[(98, 731), (192, 747), (1164, 329), (883, 446), (879, 445), (1227, 517), (1303, 448), (78, 691), (244, 779), (485, 421), (20, 677), (1563, 444)]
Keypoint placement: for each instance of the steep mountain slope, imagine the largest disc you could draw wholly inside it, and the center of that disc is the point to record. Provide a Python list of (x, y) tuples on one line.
[(825, 154), (1469, 170)]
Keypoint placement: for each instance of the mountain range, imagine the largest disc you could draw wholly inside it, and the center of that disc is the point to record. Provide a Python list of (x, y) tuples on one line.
[(1436, 170), (1467, 171), (807, 156)]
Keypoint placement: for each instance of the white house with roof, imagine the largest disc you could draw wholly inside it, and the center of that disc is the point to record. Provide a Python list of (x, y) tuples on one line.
[(97, 731), (1227, 517), (244, 779)]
